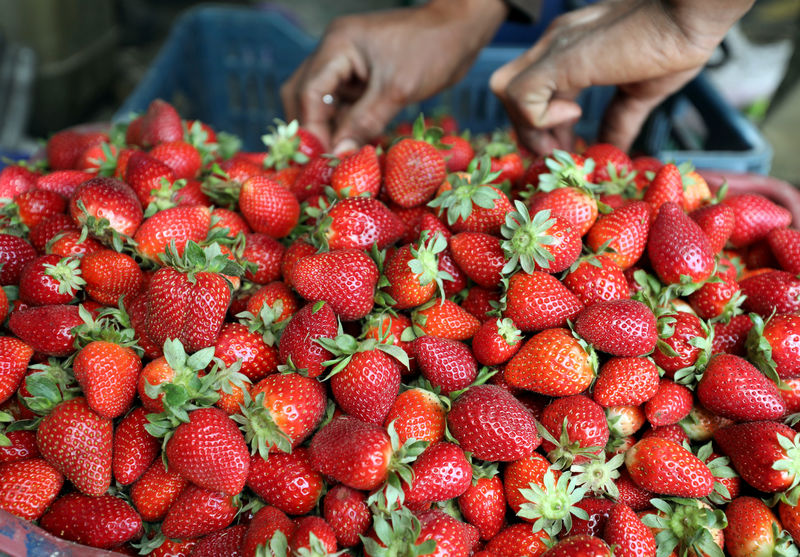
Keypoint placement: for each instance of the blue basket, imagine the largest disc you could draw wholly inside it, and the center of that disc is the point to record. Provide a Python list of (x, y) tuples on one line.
[(225, 65)]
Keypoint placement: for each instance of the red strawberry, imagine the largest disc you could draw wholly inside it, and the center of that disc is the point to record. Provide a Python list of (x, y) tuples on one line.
[(15, 253), (471, 204), (479, 302), (108, 199), (210, 451), (491, 424), (595, 279), (496, 342), (447, 364), (626, 381), (785, 244), (517, 540), (666, 187), (21, 446), (664, 467), (268, 207), (268, 296), (414, 169), (31, 207), (626, 533), (479, 256), (156, 490), (48, 329), (445, 319), (619, 327), (775, 345), (354, 453), (756, 216), (458, 153), (598, 510), (298, 340), (286, 481), (77, 442), (715, 299), (183, 158), (313, 177), (110, 275), (625, 231), (65, 147), (678, 247), (734, 388), (609, 161), (716, 222), (449, 534), (552, 363), (441, 472), (345, 279), (197, 512), (417, 414), (265, 524), (14, 358), (161, 123), (176, 224), (27, 487), (572, 204), (579, 546), (790, 519), (357, 174), (104, 521), (686, 345), (134, 448), (360, 222), (771, 292), (576, 430), (536, 301), (222, 542), (752, 528), (237, 344), (345, 509), (324, 538), (107, 373), (671, 403), (290, 144), (150, 178), (63, 182), (413, 273), (540, 243)]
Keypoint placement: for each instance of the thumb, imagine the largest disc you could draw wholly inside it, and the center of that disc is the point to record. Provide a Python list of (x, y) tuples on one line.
[(624, 117), (364, 120)]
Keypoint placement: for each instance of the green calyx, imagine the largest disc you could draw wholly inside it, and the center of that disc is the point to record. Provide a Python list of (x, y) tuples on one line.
[(110, 325), (597, 475), (392, 494), (197, 259), (428, 134), (565, 172), (790, 464), (398, 532), (458, 201), (67, 273), (260, 430), (50, 384), (266, 322), (759, 351), (164, 196), (685, 526), (101, 229), (565, 451), (425, 261), (526, 239), (283, 143), (720, 468), (551, 508), (279, 547), (344, 346), (508, 331), (220, 188)]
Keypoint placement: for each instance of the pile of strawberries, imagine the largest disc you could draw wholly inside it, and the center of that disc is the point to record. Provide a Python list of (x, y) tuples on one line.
[(427, 346)]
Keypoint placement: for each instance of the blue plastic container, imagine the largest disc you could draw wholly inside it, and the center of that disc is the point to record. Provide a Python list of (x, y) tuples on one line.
[(225, 65)]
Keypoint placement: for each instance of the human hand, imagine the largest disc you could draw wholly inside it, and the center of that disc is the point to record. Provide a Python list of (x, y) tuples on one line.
[(648, 48), (367, 67)]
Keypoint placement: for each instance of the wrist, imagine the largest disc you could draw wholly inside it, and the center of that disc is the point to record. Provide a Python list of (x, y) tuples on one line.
[(705, 23)]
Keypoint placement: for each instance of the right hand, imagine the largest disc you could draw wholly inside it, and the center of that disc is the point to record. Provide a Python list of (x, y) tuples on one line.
[(372, 65)]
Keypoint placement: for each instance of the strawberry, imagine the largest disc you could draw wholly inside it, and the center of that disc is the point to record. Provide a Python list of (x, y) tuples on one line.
[(626, 381), (685, 347), (47, 329), (134, 448), (479, 256), (77, 442), (677, 247), (664, 467), (483, 503), (447, 364), (785, 244), (346, 511), (150, 178), (286, 481), (449, 534), (31, 207), (491, 424), (480, 303), (313, 177), (110, 275), (598, 510), (574, 429), (445, 319), (619, 327), (734, 388), (354, 453), (15, 253), (715, 299), (222, 542), (49, 279), (716, 222), (458, 153), (572, 204), (156, 490), (358, 223), (755, 217), (536, 301), (161, 123), (188, 300), (579, 546), (752, 528), (496, 342), (104, 521), (790, 519), (773, 346), (313, 534), (14, 358), (609, 161), (28, 487), (268, 296), (265, 524), (346, 279), (517, 540), (595, 279), (41, 234), (413, 274), (268, 207), (63, 182), (106, 199), (21, 445), (671, 403), (357, 174), (236, 343), (71, 243), (414, 167), (197, 512), (520, 474), (763, 453), (290, 144), (178, 225), (771, 292), (298, 342), (209, 451), (136, 308), (65, 147), (286, 408), (691, 527), (441, 472), (666, 187), (552, 363), (624, 230), (183, 158), (107, 373), (417, 414), (626, 533)]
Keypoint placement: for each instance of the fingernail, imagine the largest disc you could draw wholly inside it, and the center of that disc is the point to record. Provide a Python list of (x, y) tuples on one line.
[(345, 145)]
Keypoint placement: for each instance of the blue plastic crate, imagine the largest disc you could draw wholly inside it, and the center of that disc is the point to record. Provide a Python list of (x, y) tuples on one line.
[(225, 65)]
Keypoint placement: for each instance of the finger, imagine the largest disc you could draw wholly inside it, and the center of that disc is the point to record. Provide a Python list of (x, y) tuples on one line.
[(288, 93), (365, 119), (624, 117)]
